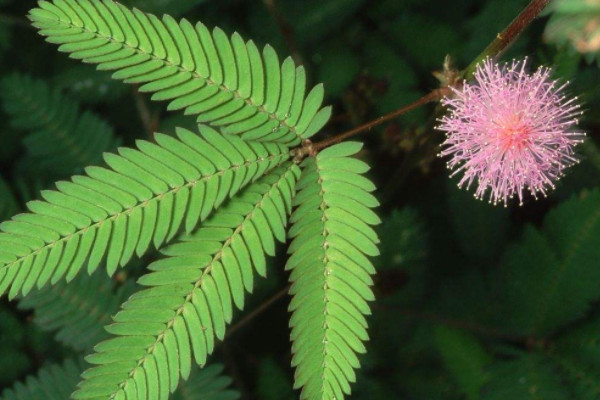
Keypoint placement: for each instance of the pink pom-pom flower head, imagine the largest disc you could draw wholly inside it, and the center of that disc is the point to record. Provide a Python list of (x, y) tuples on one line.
[(510, 132)]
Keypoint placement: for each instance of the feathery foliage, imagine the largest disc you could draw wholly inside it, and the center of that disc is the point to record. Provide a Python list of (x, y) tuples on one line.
[(568, 245), (207, 383), (56, 382), (225, 81), (60, 140), (454, 318), (464, 357), (233, 179), (112, 214), (79, 310), (53, 382), (331, 274), (191, 296)]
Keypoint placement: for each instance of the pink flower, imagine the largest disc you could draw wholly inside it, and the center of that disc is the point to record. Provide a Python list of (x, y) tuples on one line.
[(510, 131)]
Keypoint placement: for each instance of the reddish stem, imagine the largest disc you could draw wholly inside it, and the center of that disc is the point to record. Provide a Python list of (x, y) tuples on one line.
[(434, 95), (510, 34), (496, 48)]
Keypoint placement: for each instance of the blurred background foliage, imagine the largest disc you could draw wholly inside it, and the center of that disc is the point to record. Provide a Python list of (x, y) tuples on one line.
[(473, 301)]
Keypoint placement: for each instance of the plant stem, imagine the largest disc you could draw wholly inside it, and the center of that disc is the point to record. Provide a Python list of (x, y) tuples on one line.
[(509, 35), (149, 121), (495, 49), (434, 95), (262, 308)]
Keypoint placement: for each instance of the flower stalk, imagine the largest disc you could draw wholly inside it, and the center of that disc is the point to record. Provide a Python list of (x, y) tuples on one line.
[(493, 50)]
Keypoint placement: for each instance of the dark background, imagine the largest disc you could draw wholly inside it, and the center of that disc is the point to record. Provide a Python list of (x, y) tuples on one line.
[(473, 301)]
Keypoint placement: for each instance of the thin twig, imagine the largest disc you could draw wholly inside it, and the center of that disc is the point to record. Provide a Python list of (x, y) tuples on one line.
[(510, 34), (496, 48), (262, 308), (286, 30), (149, 121), (432, 96)]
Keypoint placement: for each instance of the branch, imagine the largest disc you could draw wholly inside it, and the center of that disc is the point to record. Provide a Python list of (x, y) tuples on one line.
[(507, 37), (495, 49), (262, 308), (149, 121), (434, 95)]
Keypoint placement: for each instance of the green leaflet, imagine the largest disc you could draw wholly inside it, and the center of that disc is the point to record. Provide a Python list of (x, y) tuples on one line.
[(56, 382), (144, 198), (52, 382), (61, 140), (541, 297), (78, 310), (225, 81), (330, 271), (464, 357), (207, 383), (191, 296)]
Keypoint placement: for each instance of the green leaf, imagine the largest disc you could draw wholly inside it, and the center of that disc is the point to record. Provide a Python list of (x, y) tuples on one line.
[(206, 74), (52, 382), (464, 357), (208, 383), (112, 213), (196, 288), (326, 249), (549, 278), (60, 139), (77, 311)]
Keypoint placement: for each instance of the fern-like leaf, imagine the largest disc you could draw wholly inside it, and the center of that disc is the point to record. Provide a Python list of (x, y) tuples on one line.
[(56, 382), (61, 140), (330, 272), (207, 383), (192, 295), (225, 81), (52, 382), (112, 214), (77, 311), (534, 286)]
